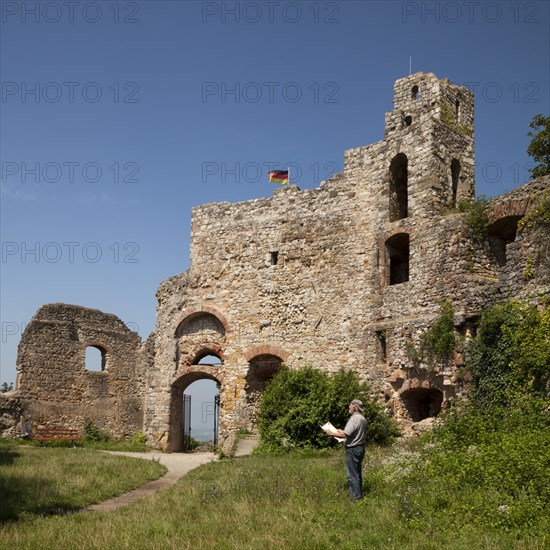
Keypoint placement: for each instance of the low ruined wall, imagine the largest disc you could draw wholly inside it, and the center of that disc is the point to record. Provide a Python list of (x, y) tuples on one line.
[(10, 414)]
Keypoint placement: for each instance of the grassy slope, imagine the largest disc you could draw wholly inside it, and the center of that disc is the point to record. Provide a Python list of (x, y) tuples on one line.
[(291, 501)]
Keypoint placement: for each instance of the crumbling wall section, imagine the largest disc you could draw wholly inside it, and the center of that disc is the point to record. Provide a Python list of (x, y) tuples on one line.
[(56, 389), (10, 415), (524, 254)]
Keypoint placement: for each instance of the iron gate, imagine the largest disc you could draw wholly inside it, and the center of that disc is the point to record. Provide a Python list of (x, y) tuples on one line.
[(186, 422), (216, 418)]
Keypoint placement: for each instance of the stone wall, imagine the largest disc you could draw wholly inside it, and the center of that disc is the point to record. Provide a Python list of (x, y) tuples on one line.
[(10, 415), (55, 388), (346, 275)]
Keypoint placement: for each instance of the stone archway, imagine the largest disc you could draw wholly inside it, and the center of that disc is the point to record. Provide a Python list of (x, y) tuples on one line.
[(421, 403), (261, 369), (182, 380)]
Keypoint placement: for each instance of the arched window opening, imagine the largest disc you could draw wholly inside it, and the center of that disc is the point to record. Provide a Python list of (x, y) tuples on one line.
[(397, 250), (501, 233), (398, 187), (415, 93), (408, 120), (201, 322), (422, 403), (95, 359), (208, 358), (455, 173)]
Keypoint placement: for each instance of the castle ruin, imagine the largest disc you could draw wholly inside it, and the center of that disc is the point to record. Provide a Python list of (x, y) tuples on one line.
[(346, 275)]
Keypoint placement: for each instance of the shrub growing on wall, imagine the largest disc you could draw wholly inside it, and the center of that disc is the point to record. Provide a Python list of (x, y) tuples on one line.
[(510, 355), (297, 403)]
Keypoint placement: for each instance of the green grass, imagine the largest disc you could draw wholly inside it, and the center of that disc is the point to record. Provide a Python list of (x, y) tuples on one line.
[(38, 481), (298, 500)]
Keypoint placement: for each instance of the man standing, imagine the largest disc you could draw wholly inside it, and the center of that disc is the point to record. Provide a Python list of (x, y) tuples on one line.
[(355, 433)]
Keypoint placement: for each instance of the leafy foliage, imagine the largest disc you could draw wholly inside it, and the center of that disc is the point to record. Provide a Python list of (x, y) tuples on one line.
[(487, 465), (437, 344), (482, 468), (93, 432), (6, 387), (476, 216), (537, 223), (510, 356), (448, 116), (539, 148), (297, 403)]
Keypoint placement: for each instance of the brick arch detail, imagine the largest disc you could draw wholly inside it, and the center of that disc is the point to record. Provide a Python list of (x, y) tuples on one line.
[(415, 383), (204, 309), (266, 349), (205, 346), (383, 238), (192, 373), (510, 207), (395, 231)]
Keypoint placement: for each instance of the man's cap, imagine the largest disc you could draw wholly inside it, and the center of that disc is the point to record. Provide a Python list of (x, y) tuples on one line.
[(358, 403)]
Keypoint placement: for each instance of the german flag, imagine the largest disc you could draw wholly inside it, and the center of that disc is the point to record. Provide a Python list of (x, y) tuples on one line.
[(278, 176)]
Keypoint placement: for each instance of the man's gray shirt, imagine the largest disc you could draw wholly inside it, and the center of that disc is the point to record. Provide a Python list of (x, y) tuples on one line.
[(356, 430)]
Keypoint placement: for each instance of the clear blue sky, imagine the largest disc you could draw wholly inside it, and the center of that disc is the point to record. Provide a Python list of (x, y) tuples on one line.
[(118, 117)]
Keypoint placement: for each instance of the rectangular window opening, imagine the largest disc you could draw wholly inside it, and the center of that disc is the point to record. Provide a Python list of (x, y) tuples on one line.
[(382, 344)]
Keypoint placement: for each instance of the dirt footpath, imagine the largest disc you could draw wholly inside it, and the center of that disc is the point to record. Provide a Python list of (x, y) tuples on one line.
[(178, 465)]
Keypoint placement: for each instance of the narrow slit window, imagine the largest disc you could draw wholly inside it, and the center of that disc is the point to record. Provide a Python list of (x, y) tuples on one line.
[(398, 192), (382, 344), (274, 257), (455, 173), (397, 249)]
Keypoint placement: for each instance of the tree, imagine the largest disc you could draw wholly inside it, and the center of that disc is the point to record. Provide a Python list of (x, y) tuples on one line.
[(539, 148), (6, 387)]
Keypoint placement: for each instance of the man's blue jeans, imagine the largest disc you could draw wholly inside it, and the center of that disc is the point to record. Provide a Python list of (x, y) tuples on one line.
[(354, 457)]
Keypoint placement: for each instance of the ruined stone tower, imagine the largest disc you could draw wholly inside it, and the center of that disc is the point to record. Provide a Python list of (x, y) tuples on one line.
[(346, 275)]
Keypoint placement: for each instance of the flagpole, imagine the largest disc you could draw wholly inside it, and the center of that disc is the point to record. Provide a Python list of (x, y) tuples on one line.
[(288, 170)]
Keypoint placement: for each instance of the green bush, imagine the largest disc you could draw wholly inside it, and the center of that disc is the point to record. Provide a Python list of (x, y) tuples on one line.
[(93, 432), (437, 344), (488, 465), (510, 356), (476, 216), (297, 403), (139, 439), (485, 468)]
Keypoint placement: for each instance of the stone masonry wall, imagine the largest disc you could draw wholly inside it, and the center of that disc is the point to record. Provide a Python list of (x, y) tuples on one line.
[(308, 274), (346, 275), (56, 390)]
